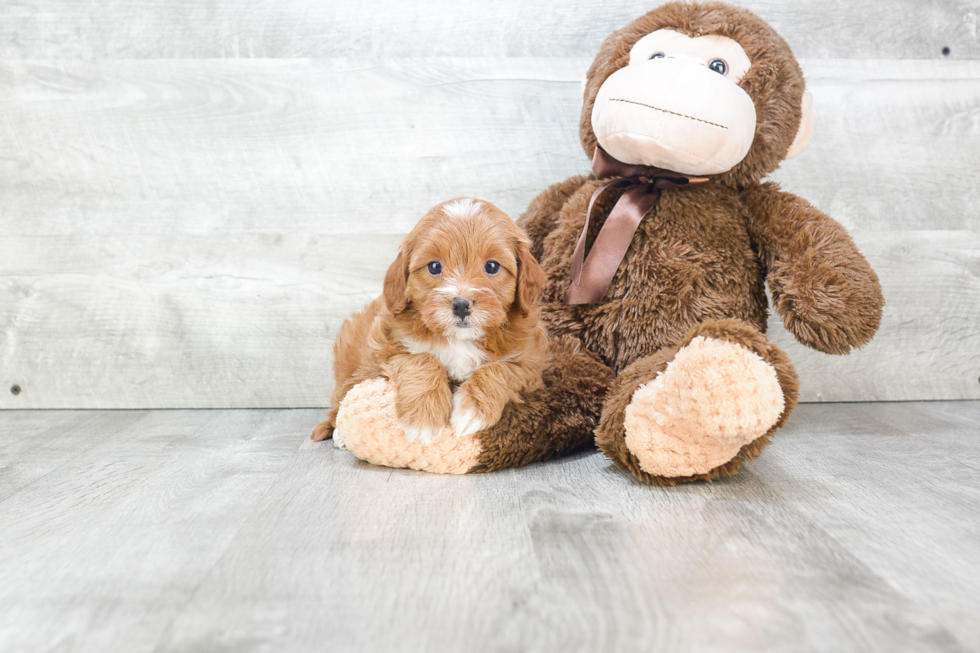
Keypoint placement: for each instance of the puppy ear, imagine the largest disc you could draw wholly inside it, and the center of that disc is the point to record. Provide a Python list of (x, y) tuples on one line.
[(396, 281), (530, 278)]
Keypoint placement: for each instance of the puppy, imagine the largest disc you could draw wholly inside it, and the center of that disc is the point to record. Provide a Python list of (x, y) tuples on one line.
[(456, 330)]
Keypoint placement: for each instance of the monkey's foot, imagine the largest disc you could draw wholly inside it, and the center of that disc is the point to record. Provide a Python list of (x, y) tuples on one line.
[(712, 399), (367, 425)]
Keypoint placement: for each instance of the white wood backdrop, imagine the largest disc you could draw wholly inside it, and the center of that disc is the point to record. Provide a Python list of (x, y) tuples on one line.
[(194, 195)]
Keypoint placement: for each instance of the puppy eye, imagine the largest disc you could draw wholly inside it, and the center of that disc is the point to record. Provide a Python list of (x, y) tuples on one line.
[(719, 66), (492, 267), (657, 55), (434, 268)]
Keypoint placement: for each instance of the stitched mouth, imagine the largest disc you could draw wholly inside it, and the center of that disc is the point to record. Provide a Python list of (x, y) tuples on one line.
[(673, 113)]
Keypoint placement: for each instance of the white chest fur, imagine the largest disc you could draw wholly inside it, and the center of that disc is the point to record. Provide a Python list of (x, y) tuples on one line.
[(459, 357)]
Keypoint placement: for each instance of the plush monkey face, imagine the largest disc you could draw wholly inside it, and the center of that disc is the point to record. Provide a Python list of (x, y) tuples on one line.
[(700, 89), (677, 105)]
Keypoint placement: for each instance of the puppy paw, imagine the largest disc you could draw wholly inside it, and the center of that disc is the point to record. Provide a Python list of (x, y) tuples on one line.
[(474, 410), (424, 433), (424, 414), (465, 419), (338, 439)]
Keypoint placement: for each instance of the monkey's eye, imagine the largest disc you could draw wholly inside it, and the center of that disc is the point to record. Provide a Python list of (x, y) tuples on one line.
[(657, 55), (491, 268), (719, 66), (434, 268)]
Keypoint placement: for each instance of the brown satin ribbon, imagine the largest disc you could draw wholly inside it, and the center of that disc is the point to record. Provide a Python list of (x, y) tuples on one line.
[(592, 275)]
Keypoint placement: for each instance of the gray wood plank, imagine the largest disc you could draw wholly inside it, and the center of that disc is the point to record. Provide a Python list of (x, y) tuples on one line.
[(70, 29), (249, 320), (191, 234), (179, 321), (104, 550), (327, 147), (574, 556), (358, 146), (896, 483), (210, 531), (894, 145), (34, 444)]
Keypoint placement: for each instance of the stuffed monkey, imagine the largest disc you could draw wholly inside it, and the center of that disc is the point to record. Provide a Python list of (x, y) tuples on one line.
[(657, 264)]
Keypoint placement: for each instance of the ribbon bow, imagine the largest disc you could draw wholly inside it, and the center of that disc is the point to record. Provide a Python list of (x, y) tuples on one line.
[(591, 276)]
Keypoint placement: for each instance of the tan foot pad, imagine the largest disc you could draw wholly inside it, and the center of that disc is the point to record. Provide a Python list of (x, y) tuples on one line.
[(713, 398), (367, 425)]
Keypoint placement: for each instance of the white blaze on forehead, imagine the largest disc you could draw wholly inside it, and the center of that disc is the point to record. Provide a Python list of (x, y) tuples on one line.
[(464, 207)]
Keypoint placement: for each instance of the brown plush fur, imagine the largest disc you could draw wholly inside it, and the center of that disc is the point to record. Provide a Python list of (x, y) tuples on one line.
[(696, 268), (700, 258), (823, 289), (608, 435), (555, 420), (415, 313)]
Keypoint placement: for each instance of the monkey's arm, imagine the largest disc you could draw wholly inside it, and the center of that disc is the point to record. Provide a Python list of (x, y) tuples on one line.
[(542, 213), (822, 287)]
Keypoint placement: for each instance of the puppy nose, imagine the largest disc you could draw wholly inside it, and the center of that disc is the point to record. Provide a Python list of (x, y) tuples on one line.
[(461, 307)]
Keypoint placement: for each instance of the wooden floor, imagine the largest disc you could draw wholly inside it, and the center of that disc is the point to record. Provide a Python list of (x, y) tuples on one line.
[(219, 531)]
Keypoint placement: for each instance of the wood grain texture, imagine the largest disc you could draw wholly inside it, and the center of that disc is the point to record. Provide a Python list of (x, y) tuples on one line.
[(330, 147), (249, 319), (103, 550), (71, 29), (362, 146), (34, 444), (192, 233), (179, 320), (228, 531), (918, 482)]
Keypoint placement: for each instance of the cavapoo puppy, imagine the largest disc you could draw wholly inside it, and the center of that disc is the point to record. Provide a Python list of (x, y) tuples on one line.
[(456, 330)]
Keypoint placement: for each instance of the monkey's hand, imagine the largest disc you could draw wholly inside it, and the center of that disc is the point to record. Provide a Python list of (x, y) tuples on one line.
[(822, 287)]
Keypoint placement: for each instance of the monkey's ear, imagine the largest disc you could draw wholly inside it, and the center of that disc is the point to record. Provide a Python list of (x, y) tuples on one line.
[(530, 278), (396, 282), (805, 131)]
